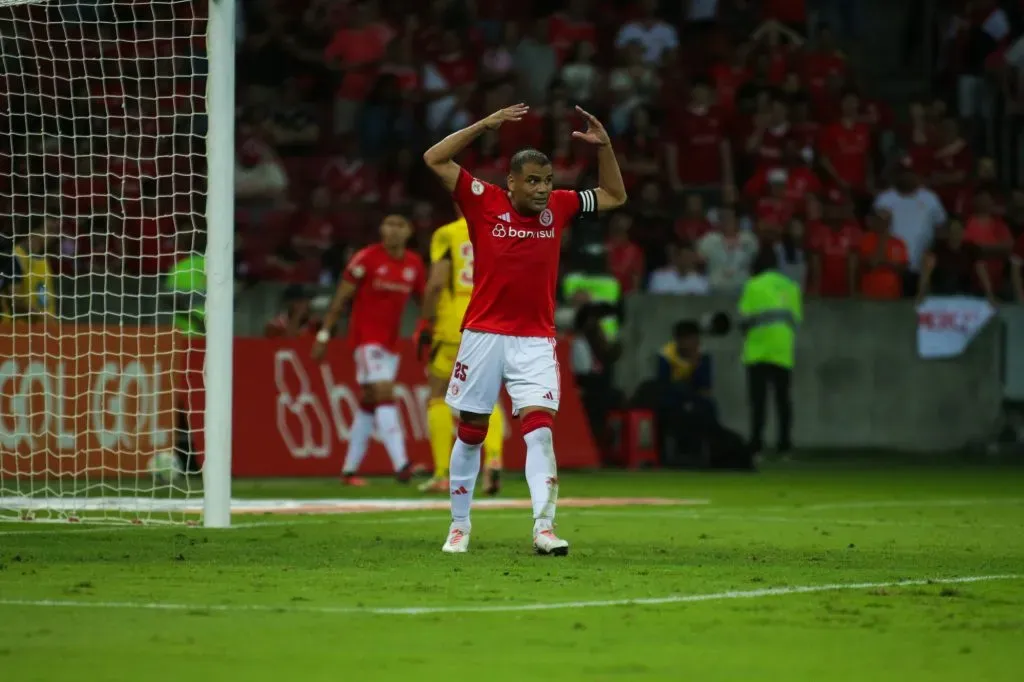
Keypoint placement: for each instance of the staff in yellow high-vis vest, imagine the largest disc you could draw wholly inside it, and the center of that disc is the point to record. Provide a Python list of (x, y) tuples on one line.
[(771, 309), (444, 304)]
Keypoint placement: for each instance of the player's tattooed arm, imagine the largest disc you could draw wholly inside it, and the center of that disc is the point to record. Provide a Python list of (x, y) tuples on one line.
[(342, 296), (611, 190), (439, 158)]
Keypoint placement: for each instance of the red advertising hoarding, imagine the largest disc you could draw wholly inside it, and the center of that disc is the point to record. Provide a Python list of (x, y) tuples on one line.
[(96, 401), (292, 415)]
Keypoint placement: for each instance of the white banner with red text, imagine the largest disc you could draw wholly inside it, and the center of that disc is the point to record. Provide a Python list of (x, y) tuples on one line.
[(946, 325)]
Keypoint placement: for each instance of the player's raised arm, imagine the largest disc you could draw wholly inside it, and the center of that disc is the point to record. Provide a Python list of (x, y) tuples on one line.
[(611, 191), (439, 158)]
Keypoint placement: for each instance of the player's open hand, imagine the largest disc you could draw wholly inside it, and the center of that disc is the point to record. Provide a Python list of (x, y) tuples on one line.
[(595, 132), (512, 114)]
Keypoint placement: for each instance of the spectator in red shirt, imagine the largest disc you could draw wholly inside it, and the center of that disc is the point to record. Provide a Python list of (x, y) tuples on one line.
[(694, 222), (952, 163), (295, 319), (881, 261), (566, 29), (773, 209), (832, 242), (988, 233), (800, 181), (625, 259), (845, 149), (698, 152), (729, 77), (985, 179), (918, 137), (357, 49), (805, 130), (769, 136), (639, 150), (448, 83), (314, 228), (824, 59)]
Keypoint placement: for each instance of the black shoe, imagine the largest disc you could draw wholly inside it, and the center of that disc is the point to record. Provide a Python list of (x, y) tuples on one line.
[(493, 478), (404, 475)]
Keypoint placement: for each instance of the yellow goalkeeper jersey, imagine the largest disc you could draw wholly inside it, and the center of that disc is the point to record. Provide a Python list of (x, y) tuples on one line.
[(451, 242)]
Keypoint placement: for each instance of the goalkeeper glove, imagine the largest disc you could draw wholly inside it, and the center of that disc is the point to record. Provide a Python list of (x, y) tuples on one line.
[(424, 338)]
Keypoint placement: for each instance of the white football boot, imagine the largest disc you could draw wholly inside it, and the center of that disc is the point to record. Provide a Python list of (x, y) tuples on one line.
[(546, 542), (457, 541)]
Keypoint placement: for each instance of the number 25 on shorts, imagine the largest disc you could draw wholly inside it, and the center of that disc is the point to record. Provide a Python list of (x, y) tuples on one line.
[(460, 371)]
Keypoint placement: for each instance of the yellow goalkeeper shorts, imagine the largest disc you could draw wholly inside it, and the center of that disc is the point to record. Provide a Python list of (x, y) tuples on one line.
[(442, 359)]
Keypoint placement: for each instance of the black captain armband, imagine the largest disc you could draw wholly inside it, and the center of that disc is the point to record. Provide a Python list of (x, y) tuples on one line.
[(588, 201)]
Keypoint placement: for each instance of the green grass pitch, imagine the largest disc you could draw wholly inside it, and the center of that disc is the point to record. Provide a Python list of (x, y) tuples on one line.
[(793, 574)]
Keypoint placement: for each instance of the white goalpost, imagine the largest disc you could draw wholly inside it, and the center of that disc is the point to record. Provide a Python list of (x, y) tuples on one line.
[(117, 176)]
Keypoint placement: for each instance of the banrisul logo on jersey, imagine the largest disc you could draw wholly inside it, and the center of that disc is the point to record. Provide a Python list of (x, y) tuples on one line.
[(509, 232)]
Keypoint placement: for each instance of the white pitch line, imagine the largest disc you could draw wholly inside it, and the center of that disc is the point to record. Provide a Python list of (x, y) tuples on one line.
[(806, 520), (502, 608)]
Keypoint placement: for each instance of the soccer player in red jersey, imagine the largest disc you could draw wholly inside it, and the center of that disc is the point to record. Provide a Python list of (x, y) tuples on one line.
[(509, 327), (379, 281)]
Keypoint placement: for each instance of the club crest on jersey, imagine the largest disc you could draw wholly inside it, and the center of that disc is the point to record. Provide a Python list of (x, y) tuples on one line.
[(409, 274), (358, 271), (477, 187), (546, 217)]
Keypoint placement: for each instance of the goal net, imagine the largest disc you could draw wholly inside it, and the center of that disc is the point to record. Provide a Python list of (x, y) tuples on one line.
[(104, 172)]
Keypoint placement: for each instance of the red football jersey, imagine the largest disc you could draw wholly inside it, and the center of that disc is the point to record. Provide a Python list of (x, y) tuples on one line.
[(834, 246), (515, 257), (383, 286)]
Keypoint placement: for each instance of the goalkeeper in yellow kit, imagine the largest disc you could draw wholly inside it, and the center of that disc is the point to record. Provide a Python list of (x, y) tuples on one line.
[(447, 295)]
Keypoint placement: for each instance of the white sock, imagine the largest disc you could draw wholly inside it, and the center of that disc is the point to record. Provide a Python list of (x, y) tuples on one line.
[(463, 471), (389, 428), (358, 439), (542, 477)]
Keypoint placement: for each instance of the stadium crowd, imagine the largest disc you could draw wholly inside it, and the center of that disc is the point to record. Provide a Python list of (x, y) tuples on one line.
[(733, 128), (737, 124)]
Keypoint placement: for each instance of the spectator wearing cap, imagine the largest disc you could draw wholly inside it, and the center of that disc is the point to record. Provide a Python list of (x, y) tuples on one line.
[(988, 234), (798, 181), (727, 253), (295, 317), (844, 149), (833, 241), (682, 277), (773, 207), (951, 266), (913, 213), (880, 261)]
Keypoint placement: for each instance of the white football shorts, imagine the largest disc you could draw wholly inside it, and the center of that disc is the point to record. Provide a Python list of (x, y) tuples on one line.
[(375, 364), (527, 365)]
